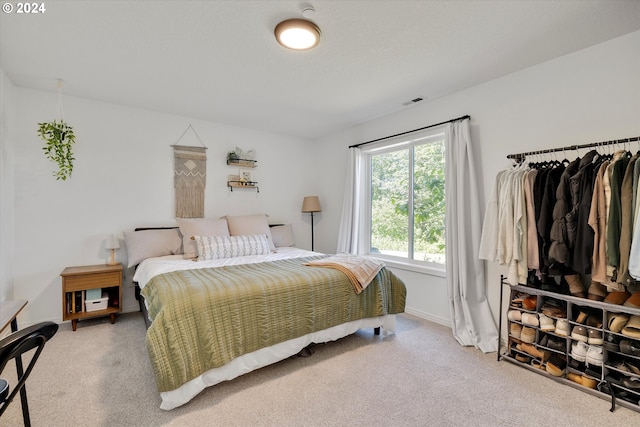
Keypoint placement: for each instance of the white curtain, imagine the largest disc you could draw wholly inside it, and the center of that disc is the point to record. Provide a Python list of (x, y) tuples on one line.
[(471, 319), (350, 221)]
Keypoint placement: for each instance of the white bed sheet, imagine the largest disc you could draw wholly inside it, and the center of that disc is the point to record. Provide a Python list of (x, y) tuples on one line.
[(151, 267), (265, 356)]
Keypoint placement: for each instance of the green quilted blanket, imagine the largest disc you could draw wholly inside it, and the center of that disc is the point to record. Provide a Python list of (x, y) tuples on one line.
[(204, 318)]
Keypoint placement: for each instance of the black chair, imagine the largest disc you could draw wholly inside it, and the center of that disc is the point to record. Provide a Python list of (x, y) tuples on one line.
[(12, 347)]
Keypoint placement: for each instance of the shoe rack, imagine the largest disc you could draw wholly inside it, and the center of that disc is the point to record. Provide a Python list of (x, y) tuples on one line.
[(575, 341)]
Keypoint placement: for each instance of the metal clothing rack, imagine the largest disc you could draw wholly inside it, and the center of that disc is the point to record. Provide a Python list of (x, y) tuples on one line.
[(519, 157)]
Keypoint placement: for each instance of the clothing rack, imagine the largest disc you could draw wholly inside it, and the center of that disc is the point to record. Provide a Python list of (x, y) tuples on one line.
[(519, 157), (410, 131)]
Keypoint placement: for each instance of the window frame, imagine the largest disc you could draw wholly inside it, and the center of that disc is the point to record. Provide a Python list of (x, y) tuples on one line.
[(404, 142)]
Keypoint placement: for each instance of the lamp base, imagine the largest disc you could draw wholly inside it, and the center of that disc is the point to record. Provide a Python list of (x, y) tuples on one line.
[(112, 260)]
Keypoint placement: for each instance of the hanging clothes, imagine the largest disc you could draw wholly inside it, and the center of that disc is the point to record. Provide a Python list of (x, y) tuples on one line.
[(626, 221)]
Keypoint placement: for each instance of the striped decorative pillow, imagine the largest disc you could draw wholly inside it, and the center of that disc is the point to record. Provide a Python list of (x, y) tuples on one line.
[(217, 247)]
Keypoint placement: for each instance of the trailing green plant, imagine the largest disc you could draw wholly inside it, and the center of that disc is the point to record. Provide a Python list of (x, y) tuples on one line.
[(59, 139)]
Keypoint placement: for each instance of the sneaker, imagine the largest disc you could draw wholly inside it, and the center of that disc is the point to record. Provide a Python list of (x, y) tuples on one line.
[(514, 315), (530, 319), (546, 323), (579, 351), (562, 327), (580, 333), (515, 330), (594, 355), (528, 335), (595, 337)]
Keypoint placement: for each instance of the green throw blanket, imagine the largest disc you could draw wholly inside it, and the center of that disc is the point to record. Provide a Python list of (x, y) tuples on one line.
[(204, 318)]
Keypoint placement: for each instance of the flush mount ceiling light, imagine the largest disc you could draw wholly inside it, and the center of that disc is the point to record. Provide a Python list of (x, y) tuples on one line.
[(297, 34)]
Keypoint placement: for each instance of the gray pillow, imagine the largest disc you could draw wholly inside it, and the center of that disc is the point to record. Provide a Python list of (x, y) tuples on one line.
[(151, 243), (282, 235)]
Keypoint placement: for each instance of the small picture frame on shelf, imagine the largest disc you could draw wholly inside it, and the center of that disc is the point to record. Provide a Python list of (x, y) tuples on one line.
[(245, 176)]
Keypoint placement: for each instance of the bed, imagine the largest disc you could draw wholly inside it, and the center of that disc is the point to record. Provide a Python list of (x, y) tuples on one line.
[(218, 317)]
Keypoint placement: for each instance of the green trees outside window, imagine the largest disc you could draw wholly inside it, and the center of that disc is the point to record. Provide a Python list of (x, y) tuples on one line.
[(408, 202)]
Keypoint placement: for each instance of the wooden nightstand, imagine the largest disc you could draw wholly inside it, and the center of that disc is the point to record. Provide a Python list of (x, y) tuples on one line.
[(75, 283)]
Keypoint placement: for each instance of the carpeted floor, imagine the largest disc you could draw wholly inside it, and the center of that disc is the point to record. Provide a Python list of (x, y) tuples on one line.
[(100, 376)]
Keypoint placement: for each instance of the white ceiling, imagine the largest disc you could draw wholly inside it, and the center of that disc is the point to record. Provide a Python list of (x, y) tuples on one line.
[(219, 61)]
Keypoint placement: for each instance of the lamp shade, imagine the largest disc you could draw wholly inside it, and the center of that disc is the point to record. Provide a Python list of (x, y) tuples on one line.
[(311, 204), (112, 243)]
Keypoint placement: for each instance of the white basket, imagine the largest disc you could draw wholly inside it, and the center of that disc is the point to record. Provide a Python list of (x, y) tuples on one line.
[(96, 304)]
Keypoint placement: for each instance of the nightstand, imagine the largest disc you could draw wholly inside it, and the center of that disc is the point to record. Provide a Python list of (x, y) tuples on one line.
[(76, 281)]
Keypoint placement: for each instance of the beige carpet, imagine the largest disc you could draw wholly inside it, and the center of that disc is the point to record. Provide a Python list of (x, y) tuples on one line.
[(100, 376)]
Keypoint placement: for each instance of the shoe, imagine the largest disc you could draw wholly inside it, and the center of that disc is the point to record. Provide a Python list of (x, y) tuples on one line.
[(514, 315), (633, 300), (589, 382), (630, 347), (546, 323), (558, 345), (515, 330), (611, 343), (594, 320), (530, 302), (556, 366), (595, 337), (582, 317), (528, 335), (579, 351), (562, 327), (580, 333), (618, 297), (633, 367), (575, 377), (594, 355), (530, 319), (617, 321), (597, 291), (537, 364), (522, 358), (632, 328), (576, 287), (534, 351), (553, 308), (517, 300), (631, 383), (544, 341)]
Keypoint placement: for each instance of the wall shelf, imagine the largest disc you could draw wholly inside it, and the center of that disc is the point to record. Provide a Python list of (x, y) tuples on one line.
[(245, 163), (243, 185)]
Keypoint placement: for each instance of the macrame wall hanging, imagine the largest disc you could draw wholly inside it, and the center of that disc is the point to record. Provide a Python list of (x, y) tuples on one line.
[(190, 169)]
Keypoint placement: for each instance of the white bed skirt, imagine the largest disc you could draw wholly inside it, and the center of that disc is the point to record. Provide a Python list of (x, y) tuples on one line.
[(267, 356)]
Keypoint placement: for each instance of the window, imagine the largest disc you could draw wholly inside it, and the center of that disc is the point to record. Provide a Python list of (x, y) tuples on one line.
[(406, 204)]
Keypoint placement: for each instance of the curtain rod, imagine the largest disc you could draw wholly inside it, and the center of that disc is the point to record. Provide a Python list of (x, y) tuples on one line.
[(410, 131), (521, 156)]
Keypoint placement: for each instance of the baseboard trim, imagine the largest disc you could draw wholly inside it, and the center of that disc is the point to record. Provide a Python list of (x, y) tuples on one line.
[(428, 316)]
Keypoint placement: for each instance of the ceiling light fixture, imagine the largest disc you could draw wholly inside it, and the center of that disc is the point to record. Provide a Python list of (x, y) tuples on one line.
[(297, 34)]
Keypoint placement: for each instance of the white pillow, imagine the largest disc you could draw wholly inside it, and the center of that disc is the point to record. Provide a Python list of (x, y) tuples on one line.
[(282, 235), (246, 225), (190, 227), (145, 244), (217, 247)]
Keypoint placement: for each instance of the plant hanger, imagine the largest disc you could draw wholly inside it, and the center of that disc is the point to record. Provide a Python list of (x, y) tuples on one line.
[(59, 139)]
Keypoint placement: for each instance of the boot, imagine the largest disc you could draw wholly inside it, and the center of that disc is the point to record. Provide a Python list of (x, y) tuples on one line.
[(576, 287)]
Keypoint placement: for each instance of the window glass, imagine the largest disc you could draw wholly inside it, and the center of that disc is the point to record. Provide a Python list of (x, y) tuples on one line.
[(406, 199)]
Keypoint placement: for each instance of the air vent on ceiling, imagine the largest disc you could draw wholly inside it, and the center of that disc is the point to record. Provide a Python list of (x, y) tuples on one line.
[(413, 101)]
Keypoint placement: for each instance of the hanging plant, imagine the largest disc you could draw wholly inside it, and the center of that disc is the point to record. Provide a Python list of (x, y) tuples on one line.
[(59, 139)]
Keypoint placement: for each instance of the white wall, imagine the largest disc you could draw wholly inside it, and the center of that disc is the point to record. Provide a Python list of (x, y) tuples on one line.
[(122, 179), (589, 96), (7, 143)]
